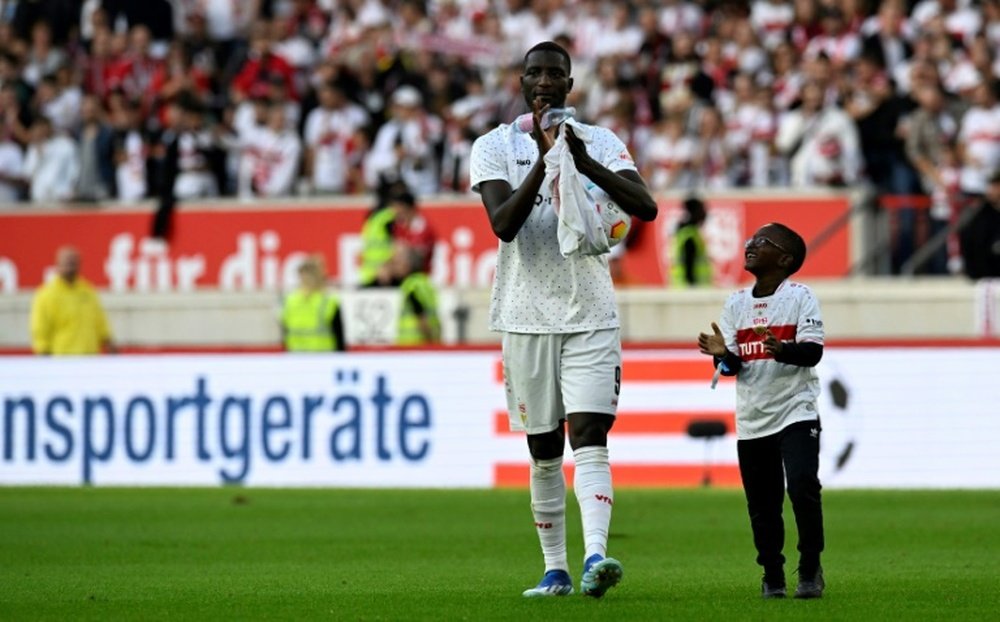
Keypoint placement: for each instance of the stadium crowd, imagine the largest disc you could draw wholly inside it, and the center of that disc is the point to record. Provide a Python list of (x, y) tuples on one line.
[(273, 98)]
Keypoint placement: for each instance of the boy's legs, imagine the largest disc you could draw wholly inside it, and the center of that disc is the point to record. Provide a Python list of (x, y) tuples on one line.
[(764, 487), (800, 453)]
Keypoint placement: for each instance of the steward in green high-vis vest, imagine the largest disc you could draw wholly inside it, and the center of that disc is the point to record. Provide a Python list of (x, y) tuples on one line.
[(418, 317), (376, 244), (690, 264), (310, 316)]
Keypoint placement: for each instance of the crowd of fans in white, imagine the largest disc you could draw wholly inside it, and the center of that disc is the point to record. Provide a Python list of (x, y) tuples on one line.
[(317, 97)]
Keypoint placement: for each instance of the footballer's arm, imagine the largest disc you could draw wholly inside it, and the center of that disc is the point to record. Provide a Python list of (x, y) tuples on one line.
[(626, 188), (508, 209)]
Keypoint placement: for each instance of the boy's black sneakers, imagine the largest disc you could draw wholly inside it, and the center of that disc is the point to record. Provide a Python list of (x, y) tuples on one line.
[(810, 584)]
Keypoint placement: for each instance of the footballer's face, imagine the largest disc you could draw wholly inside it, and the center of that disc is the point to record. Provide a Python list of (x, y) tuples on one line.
[(546, 79), (765, 252)]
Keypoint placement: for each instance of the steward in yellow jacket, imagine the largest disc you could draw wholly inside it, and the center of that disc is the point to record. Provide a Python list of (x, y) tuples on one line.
[(66, 314), (310, 316)]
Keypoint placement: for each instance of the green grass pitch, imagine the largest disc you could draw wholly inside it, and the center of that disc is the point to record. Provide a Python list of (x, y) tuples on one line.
[(319, 554)]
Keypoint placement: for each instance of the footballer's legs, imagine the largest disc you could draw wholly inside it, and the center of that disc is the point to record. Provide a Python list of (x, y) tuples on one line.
[(800, 453), (548, 506), (594, 493), (764, 486)]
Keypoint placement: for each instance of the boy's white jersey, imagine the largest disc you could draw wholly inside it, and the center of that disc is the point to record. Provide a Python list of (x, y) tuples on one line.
[(772, 395), (536, 289)]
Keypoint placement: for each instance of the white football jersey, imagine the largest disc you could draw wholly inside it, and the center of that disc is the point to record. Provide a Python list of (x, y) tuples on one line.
[(536, 289), (771, 395)]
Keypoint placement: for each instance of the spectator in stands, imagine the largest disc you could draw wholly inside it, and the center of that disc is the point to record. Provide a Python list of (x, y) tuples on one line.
[(98, 67), (406, 145), (460, 133), (771, 20), (669, 157), (930, 135), (270, 163), (52, 164), (96, 144), (411, 227), (195, 145), (130, 151), (690, 263), (66, 314), (43, 57), (981, 236), (877, 110), (979, 138), (711, 159), (177, 76), (821, 142), (310, 316), (835, 40), (331, 138), (418, 320), (58, 100), (887, 35), (262, 65), (134, 70)]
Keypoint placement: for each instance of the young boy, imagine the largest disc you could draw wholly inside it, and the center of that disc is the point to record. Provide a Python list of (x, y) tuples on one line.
[(771, 338)]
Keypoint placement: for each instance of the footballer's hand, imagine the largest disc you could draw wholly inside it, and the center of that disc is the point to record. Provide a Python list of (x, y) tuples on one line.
[(584, 163), (714, 344), (543, 138), (772, 345)]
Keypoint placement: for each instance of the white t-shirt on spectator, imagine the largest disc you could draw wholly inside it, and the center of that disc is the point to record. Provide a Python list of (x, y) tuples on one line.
[(270, 164), (130, 173), (980, 134), (670, 160), (417, 168), (224, 18), (536, 289), (330, 134), (64, 109), (53, 168), (681, 17), (830, 147), (771, 20), (840, 49)]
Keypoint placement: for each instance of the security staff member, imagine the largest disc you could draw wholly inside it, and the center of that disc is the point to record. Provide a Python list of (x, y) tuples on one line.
[(691, 266), (310, 316), (418, 319)]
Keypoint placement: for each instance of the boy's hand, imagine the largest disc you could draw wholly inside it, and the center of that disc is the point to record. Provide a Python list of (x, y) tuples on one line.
[(714, 344), (772, 345)]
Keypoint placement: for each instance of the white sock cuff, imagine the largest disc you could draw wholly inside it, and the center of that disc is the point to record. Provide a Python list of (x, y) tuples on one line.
[(593, 454)]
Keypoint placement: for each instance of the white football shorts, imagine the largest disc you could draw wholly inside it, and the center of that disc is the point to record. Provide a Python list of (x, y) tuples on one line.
[(547, 376)]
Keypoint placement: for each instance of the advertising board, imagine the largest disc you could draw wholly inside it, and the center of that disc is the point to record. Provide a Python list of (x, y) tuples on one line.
[(891, 417)]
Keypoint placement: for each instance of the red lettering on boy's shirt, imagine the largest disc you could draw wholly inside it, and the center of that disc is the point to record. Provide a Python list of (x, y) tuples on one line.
[(751, 340)]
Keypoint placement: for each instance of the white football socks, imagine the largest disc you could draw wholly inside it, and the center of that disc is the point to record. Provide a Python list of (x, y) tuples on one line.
[(548, 505), (592, 484)]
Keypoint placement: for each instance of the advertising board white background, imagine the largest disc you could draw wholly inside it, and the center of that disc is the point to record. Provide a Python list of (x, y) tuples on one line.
[(903, 417)]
